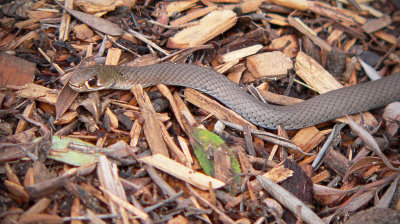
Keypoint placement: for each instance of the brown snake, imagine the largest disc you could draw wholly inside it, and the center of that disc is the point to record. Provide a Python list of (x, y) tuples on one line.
[(325, 107)]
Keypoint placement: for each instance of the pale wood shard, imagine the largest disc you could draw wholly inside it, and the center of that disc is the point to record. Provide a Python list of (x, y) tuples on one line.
[(107, 173), (277, 19), (269, 64), (208, 27), (167, 94), (293, 4), (114, 123), (221, 112), (193, 15), (248, 6), (235, 73), (95, 6), (314, 74), (113, 56), (179, 6), (241, 53), (184, 110), (278, 98), (175, 150), (185, 148), (22, 123), (135, 133), (65, 21), (226, 1), (151, 126), (182, 172), (334, 36), (126, 205), (322, 81)]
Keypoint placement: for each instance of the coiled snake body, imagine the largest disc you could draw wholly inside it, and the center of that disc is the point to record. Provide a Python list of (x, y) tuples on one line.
[(325, 107)]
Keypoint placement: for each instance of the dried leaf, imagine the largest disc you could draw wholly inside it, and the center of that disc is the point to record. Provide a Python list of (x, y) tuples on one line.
[(100, 24), (72, 157), (370, 142)]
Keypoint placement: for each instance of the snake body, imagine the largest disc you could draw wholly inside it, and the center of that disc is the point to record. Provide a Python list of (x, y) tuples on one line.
[(325, 107)]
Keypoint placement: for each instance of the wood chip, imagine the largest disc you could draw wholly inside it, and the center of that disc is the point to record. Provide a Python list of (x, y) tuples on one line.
[(15, 71), (182, 172), (269, 65), (151, 126), (209, 27)]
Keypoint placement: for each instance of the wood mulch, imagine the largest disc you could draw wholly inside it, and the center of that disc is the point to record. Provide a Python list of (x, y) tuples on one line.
[(166, 154)]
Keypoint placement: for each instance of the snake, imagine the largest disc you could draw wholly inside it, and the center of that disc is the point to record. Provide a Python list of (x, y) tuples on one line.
[(321, 108)]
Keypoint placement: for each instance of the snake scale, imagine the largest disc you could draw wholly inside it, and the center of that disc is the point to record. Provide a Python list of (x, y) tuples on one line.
[(325, 107)]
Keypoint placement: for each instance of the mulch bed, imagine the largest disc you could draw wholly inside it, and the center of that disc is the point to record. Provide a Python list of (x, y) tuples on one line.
[(166, 154)]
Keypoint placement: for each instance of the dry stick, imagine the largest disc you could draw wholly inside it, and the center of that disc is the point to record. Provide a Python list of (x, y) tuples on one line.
[(290, 201), (165, 188), (370, 142), (269, 138), (60, 70), (129, 207), (388, 53), (367, 187), (159, 204), (223, 216), (144, 39)]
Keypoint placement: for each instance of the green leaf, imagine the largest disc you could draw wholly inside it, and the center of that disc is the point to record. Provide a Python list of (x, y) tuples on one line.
[(206, 141), (72, 157)]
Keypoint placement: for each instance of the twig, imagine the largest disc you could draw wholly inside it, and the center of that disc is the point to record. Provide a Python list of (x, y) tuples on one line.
[(144, 39)]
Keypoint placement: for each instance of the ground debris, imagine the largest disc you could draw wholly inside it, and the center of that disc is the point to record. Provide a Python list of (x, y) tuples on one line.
[(110, 157)]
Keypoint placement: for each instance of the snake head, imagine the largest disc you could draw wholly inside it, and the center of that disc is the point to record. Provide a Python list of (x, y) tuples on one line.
[(89, 79)]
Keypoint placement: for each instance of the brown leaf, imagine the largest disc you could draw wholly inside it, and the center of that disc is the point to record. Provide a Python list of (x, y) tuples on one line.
[(100, 24)]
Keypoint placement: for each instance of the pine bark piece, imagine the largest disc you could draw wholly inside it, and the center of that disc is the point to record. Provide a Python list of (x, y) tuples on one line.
[(39, 93), (307, 139), (15, 71), (337, 162), (290, 44), (83, 32), (269, 64), (182, 172), (209, 27)]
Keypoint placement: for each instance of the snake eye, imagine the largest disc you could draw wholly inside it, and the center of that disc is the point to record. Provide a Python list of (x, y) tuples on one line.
[(92, 82)]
